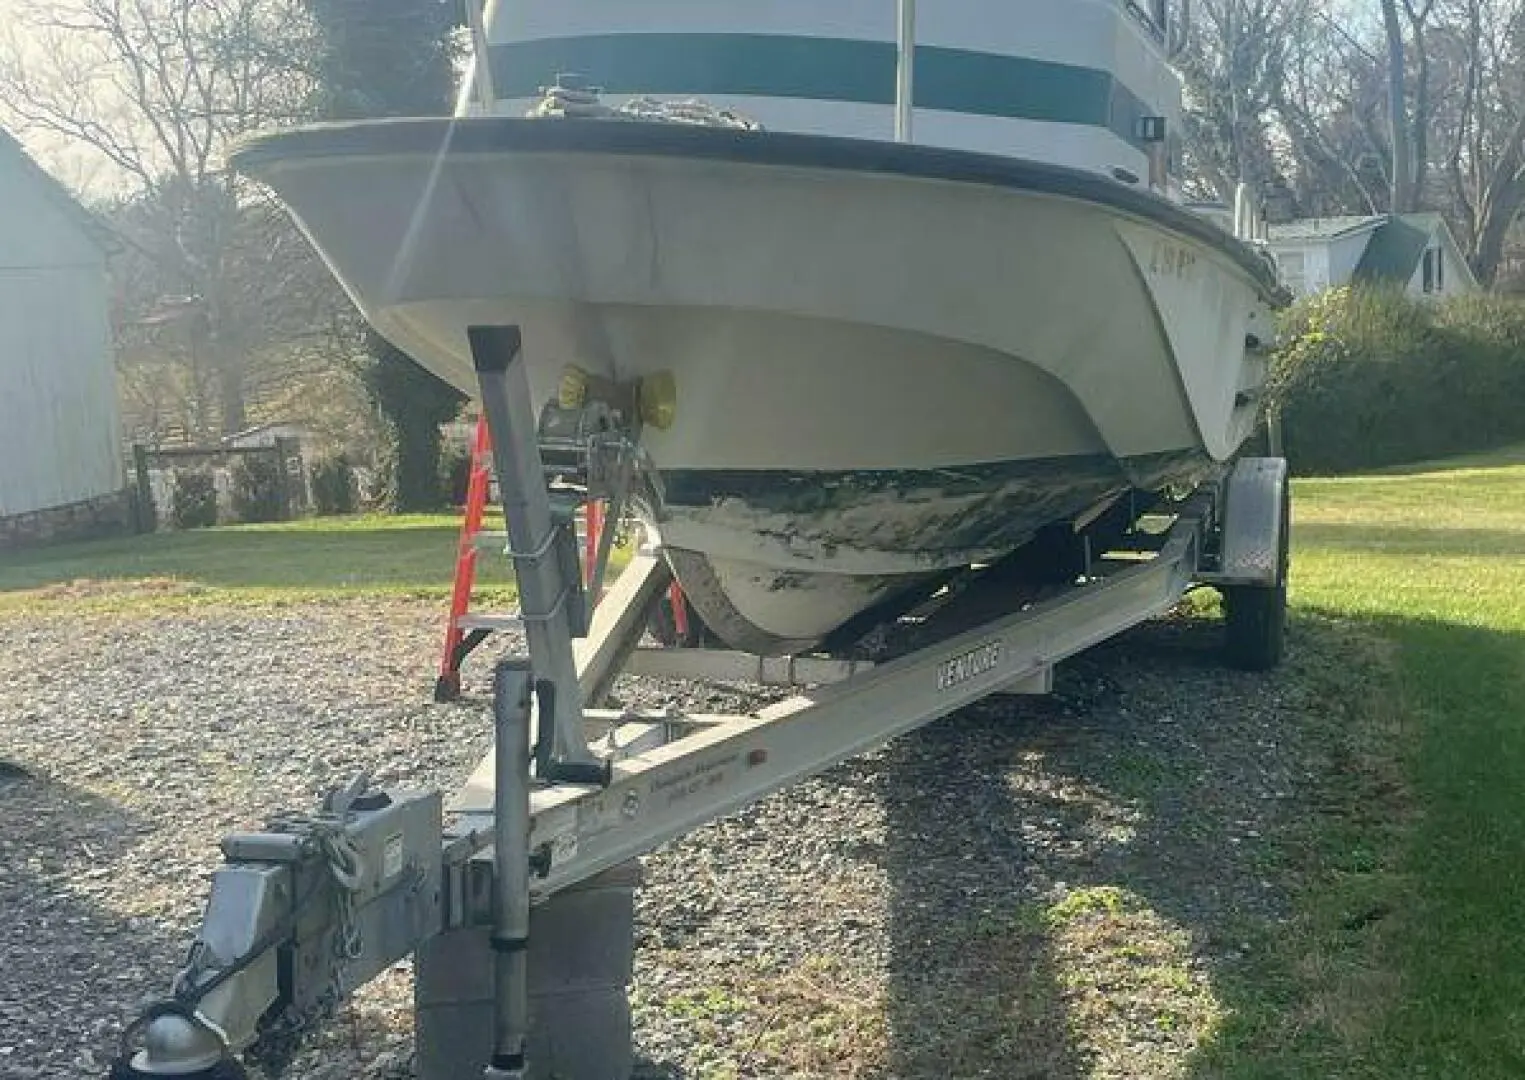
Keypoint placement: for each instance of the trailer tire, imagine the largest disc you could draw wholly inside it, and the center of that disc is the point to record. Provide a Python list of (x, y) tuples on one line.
[(1255, 616), (1255, 626)]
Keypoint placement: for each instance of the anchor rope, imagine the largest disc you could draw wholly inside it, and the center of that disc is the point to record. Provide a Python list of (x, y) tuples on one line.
[(585, 103)]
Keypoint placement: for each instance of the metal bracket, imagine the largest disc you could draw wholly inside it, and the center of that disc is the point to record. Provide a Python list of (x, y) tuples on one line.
[(544, 584)]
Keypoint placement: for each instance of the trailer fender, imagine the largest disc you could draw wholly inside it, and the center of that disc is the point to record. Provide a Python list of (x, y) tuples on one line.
[(1253, 520)]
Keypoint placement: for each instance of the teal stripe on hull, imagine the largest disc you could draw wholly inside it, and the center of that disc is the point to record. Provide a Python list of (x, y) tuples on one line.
[(823, 69)]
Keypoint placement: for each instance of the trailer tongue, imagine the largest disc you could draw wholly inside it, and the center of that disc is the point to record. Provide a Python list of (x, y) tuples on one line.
[(307, 910)]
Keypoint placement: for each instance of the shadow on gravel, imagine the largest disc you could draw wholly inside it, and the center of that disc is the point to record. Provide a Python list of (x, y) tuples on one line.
[(972, 989), (1071, 876), (73, 971)]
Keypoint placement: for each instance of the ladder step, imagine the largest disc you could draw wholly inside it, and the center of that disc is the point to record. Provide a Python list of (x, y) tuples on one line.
[(497, 541), (489, 622)]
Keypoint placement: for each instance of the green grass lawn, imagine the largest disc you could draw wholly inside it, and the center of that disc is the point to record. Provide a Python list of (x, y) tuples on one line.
[(1434, 561), (308, 559)]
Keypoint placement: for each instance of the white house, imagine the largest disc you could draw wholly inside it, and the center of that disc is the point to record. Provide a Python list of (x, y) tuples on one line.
[(1416, 251), (61, 472)]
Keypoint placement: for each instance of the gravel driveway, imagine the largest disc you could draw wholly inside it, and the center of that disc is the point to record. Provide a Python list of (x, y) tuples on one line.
[(1052, 888)]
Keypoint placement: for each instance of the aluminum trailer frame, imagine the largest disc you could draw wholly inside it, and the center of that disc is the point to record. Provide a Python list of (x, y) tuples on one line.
[(704, 767), (601, 787)]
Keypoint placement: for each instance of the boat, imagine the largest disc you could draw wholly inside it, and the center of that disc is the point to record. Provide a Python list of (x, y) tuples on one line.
[(921, 285)]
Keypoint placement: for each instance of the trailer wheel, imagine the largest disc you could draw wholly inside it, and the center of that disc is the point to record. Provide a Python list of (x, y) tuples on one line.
[(1255, 627), (1255, 616)]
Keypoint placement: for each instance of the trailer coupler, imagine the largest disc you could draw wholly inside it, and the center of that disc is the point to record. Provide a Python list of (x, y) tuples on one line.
[(299, 915)]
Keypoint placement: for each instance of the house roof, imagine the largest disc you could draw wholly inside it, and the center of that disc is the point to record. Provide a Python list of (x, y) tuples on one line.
[(1325, 229), (1395, 249), (93, 227)]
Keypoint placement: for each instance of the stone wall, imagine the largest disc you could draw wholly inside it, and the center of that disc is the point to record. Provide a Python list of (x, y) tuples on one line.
[(107, 515)]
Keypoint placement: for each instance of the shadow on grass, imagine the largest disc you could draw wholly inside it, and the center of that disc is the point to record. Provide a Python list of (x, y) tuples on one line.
[(1104, 883), (973, 986), (1513, 454), (1455, 942)]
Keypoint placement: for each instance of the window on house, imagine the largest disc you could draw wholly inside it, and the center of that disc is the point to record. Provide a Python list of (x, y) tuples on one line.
[(1294, 270), (1434, 270)]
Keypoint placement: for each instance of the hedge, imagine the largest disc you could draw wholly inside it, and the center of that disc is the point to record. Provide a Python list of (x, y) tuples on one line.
[(1369, 377), (259, 493)]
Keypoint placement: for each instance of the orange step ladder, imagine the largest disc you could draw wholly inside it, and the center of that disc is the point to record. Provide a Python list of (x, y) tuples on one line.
[(467, 629)]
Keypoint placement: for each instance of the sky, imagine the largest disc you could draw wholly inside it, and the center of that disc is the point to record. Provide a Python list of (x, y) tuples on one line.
[(81, 170)]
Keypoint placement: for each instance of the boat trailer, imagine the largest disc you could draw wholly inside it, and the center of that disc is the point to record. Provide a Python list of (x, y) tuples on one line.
[(519, 910)]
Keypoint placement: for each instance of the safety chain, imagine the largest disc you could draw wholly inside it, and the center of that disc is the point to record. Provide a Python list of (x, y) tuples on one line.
[(326, 833), (279, 1040)]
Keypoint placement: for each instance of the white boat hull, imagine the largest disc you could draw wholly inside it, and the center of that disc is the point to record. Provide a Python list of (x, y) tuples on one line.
[(881, 372)]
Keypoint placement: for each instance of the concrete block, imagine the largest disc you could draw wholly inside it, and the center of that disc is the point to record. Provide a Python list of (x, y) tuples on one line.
[(580, 961)]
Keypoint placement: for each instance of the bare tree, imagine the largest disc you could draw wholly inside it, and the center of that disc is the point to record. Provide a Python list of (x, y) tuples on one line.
[(1234, 62), (1327, 107), (157, 89), (1486, 160), (1404, 23), (1422, 108)]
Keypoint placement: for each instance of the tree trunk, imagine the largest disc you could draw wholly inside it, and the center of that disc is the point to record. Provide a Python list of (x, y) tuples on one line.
[(1397, 104), (1500, 204), (1498, 215), (230, 394), (1421, 125)]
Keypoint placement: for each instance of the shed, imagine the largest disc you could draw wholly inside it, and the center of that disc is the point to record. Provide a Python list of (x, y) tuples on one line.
[(61, 471)]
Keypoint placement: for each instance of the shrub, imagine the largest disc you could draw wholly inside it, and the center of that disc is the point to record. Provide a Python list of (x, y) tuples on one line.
[(1370, 377), (259, 492), (193, 503), (333, 486), (455, 475)]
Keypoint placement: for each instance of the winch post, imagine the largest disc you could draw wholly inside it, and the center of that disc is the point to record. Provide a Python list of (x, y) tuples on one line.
[(543, 551), (511, 866)]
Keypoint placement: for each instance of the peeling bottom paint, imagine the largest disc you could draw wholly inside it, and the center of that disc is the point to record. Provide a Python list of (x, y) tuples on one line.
[(896, 521), (776, 561)]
